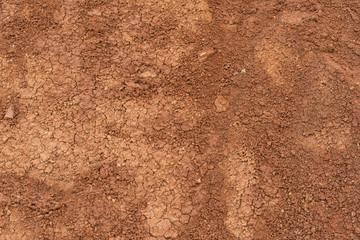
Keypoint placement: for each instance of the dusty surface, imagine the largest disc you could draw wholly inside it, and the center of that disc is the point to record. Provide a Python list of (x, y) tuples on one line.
[(186, 119)]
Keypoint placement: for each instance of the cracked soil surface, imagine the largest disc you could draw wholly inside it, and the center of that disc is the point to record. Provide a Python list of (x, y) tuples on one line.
[(179, 119)]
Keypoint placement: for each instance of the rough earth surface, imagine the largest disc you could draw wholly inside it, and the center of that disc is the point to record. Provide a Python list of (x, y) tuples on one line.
[(179, 119)]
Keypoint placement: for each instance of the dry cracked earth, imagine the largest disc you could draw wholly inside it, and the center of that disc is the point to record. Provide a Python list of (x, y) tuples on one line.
[(186, 119)]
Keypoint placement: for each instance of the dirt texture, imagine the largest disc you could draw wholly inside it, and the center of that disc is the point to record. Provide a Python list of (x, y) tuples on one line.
[(179, 119)]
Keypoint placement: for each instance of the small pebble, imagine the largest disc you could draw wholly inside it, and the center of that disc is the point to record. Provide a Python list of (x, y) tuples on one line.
[(10, 112)]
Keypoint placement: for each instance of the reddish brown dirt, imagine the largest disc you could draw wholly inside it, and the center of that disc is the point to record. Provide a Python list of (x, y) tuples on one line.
[(187, 119)]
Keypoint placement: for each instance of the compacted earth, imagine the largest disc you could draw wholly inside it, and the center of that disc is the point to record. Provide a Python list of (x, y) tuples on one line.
[(179, 119)]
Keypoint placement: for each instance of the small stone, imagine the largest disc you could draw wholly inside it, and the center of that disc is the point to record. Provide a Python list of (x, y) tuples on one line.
[(92, 222), (10, 112), (8, 164), (104, 172), (148, 74), (44, 156), (330, 48), (221, 104), (94, 12), (127, 37), (243, 71), (206, 53), (49, 169)]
